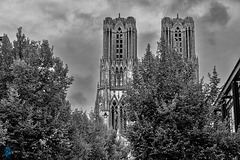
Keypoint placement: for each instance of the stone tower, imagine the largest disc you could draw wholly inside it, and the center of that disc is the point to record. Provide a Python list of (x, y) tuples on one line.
[(119, 57), (179, 34)]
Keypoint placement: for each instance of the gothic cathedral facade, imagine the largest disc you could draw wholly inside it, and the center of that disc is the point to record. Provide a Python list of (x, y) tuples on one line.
[(119, 57)]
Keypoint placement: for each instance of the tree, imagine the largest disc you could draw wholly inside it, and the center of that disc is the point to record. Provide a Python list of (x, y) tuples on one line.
[(34, 100), (169, 113), (93, 141), (213, 89)]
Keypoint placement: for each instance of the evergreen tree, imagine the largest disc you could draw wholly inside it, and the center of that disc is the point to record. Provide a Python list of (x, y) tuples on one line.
[(213, 89)]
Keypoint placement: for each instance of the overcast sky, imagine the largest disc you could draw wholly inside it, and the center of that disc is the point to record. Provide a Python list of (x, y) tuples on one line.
[(74, 28)]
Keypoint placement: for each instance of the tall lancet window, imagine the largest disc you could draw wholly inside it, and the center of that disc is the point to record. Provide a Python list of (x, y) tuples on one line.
[(121, 76), (178, 40), (125, 76), (119, 44), (114, 114), (112, 77), (117, 77)]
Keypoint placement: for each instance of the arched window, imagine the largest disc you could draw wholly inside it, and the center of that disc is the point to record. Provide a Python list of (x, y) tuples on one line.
[(121, 117), (121, 76), (119, 44), (114, 115), (125, 76), (178, 40), (189, 34), (112, 77), (116, 77)]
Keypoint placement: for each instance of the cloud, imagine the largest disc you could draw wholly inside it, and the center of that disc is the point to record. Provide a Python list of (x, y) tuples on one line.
[(81, 93), (74, 27), (80, 51), (78, 99), (53, 11), (182, 6), (217, 14), (236, 0), (84, 83), (213, 22)]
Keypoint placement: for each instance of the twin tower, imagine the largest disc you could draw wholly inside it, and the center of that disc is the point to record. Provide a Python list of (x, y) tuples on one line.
[(120, 56)]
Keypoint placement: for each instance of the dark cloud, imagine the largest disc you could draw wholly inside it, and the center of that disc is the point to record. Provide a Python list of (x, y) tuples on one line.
[(204, 35), (143, 2), (89, 22), (75, 29), (181, 6), (217, 14), (80, 50), (78, 98), (212, 22), (125, 6), (84, 83), (81, 93), (54, 11)]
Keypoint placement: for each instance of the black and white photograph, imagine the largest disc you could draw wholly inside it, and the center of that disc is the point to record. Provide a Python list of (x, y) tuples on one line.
[(120, 80)]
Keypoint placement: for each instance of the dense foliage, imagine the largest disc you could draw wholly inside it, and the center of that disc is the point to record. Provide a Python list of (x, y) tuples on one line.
[(171, 114), (34, 111), (36, 121), (92, 139)]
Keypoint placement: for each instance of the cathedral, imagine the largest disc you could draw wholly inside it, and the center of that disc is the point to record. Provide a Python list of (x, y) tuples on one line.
[(120, 56)]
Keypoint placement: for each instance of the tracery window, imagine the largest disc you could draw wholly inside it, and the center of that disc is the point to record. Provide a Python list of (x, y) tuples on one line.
[(119, 44), (178, 40)]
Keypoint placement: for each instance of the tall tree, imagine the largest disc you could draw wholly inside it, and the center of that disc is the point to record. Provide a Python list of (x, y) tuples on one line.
[(169, 114), (213, 88), (211, 91), (35, 101)]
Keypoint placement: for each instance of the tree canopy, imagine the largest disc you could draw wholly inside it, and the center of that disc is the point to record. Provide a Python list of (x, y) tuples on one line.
[(171, 116), (33, 106)]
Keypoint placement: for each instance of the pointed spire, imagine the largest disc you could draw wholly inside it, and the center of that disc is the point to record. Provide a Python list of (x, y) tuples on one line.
[(119, 15), (177, 15)]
